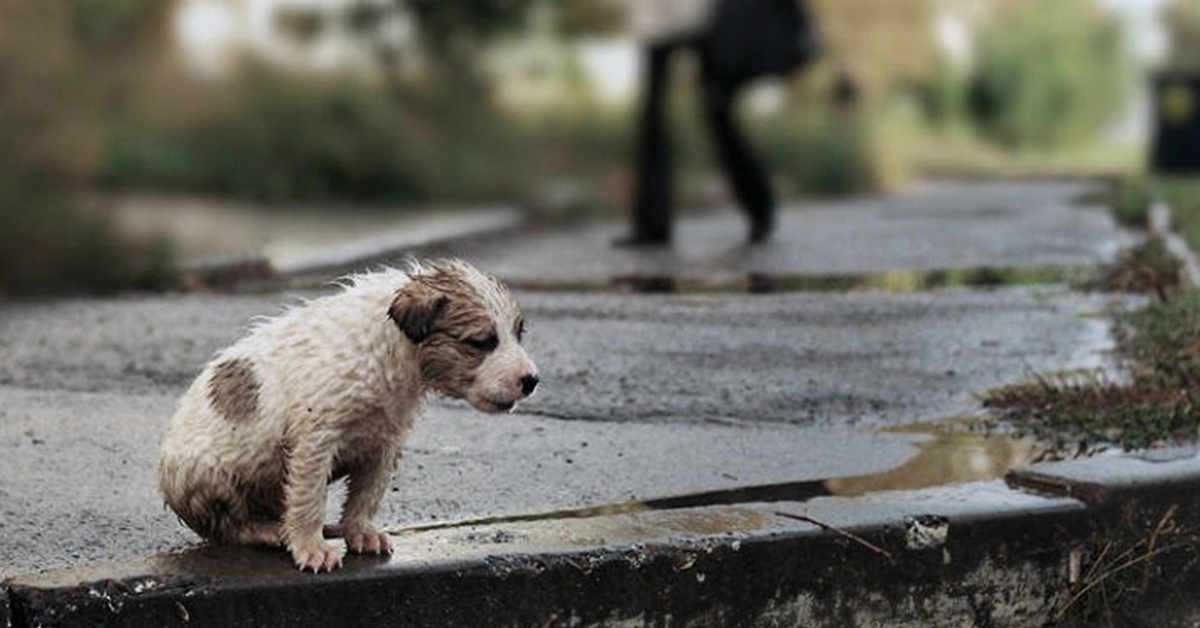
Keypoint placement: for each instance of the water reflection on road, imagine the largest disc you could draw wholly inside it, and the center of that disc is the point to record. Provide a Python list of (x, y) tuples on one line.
[(953, 454)]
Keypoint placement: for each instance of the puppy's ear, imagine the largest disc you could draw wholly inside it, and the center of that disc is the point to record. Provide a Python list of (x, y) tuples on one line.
[(416, 308)]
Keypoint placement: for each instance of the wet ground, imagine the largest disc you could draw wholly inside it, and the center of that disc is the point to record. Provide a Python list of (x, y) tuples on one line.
[(645, 396), (936, 227)]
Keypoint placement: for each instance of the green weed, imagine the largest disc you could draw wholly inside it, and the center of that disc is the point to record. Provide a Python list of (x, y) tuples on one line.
[(1131, 201), (1146, 268), (1159, 403)]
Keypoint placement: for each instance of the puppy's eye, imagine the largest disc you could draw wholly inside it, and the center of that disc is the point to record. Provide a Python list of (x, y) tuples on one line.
[(485, 344), (520, 330)]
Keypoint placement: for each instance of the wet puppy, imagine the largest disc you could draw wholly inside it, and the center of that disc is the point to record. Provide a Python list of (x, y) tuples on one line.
[(329, 390)]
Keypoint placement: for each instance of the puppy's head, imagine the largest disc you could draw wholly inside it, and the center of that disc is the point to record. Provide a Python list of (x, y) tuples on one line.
[(467, 330)]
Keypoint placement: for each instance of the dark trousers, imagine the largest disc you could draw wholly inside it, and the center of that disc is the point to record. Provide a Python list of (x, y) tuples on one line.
[(653, 190)]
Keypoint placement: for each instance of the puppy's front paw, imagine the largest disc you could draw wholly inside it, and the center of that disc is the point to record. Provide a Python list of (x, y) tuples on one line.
[(316, 555), (362, 539), (369, 541)]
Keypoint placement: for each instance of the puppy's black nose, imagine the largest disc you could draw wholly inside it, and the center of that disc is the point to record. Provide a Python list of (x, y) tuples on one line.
[(528, 383)]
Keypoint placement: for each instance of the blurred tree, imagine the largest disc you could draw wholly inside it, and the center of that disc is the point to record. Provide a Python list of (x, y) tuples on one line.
[(1048, 73), (453, 33), (453, 95), (36, 66), (121, 41), (111, 26), (590, 17), (47, 149), (1183, 25), (445, 23), (888, 43)]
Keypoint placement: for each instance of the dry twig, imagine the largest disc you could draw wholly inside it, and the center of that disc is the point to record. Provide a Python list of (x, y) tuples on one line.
[(825, 526)]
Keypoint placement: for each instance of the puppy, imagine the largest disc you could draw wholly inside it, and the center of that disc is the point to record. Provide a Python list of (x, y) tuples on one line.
[(329, 390)]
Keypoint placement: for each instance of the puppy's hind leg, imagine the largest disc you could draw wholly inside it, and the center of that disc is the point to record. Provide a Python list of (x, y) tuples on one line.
[(262, 511), (210, 505), (260, 533)]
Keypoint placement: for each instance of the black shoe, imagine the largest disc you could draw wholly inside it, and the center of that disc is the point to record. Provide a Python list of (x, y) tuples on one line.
[(761, 228), (640, 241)]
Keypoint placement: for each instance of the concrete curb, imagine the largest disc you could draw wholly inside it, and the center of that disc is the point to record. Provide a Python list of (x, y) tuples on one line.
[(982, 554), (1160, 222), (262, 273)]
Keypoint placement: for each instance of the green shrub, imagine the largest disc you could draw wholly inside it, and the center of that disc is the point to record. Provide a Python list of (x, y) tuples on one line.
[(48, 244), (279, 142), (1131, 201), (108, 25), (819, 153), (1051, 76), (1182, 195), (286, 140), (281, 145)]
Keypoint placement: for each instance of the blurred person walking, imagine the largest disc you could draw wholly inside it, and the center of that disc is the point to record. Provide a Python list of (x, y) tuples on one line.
[(737, 41)]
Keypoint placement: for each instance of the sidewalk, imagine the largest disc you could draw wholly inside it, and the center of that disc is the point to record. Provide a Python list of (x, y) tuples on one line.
[(644, 484), (939, 227), (232, 245)]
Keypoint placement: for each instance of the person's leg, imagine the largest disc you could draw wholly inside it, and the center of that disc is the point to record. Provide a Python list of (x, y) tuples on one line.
[(651, 212), (745, 174)]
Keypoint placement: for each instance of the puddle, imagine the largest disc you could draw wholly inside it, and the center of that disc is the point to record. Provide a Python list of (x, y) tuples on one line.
[(951, 454), (666, 524), (785, 491), (896, 281)]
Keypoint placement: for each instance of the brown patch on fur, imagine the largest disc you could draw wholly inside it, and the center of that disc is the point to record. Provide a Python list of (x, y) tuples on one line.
[(415, 309), (221, 511), (442, 309), (233, 390), (448, 366)]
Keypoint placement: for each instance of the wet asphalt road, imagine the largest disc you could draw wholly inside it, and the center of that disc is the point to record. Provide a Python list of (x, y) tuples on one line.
[(644, 395), (936, 226)]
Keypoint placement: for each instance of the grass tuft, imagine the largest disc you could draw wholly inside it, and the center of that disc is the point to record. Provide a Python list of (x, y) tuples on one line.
[(1069, 411), (1148, 268), (1133, 572), (1164, 341), (1131, 200), (1158, 404)]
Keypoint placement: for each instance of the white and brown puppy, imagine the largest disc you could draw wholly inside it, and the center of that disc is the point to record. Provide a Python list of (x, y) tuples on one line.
[(328, 390)]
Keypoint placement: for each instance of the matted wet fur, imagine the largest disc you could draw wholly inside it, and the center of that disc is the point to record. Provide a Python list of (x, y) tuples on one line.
[(329, 390)]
